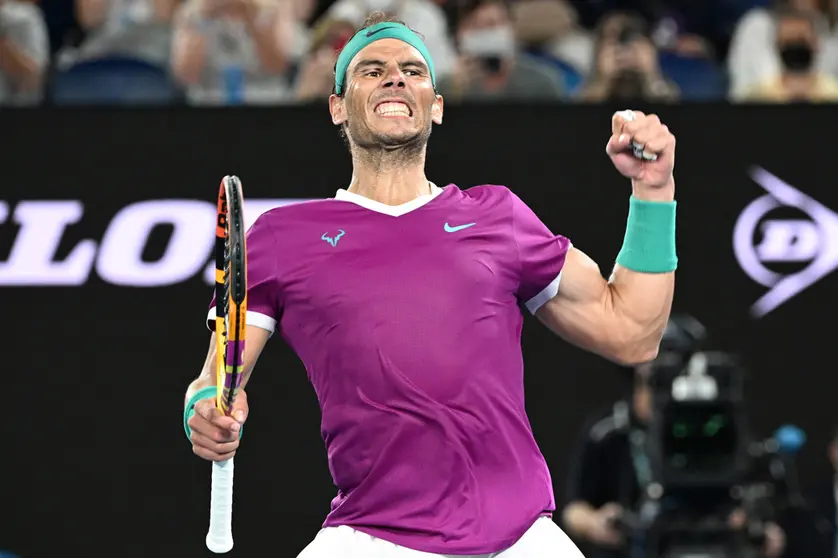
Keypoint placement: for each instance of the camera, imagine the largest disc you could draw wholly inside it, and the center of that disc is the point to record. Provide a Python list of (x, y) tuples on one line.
[(699, 461), (630, 33)]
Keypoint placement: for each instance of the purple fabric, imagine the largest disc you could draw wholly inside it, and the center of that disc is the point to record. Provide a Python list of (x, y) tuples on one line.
[(409, 328)]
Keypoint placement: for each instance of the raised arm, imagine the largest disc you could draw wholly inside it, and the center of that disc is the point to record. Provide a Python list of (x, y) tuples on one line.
[(623, 319), (189, 44)]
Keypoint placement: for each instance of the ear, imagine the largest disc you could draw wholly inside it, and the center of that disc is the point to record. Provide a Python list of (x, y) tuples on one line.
[(436, 110), (337, 109)]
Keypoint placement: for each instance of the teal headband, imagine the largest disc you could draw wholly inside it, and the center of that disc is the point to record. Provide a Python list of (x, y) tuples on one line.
[(385, 30)]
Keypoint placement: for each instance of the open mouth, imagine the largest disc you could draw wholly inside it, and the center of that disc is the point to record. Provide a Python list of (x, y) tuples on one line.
[(393, 109)]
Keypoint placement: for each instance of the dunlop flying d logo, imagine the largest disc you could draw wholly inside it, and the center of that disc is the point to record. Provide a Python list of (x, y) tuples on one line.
[(759, 239)]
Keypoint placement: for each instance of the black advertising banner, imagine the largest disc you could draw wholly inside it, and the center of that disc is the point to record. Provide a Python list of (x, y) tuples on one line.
[(106, 233)]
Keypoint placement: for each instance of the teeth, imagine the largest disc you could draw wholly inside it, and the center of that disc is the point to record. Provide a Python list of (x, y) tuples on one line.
[(392, 109)]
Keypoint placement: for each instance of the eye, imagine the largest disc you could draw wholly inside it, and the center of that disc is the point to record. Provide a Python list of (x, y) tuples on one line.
[(413, 72), (373, 73)]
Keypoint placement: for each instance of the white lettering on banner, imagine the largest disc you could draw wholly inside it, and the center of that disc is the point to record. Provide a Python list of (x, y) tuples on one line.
[(32, 259), (120, 255), (784, 240), (32, 262)]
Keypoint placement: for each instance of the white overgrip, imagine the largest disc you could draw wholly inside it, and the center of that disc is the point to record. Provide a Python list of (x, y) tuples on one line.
[(220, 535)]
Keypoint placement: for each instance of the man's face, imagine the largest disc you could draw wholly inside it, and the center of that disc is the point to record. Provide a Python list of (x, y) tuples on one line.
[(389, 98)]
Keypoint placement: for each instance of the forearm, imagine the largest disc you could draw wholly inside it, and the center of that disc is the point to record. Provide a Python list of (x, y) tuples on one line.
[(641, 302), (576, 518), (256, 337), (22, 68), (207, 376), (621, 319), (189, 55), (91, 13), (164, 10), (269, 44)]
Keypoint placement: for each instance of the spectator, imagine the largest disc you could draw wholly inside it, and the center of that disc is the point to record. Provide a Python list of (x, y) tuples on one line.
[(753, 58), (692, 28), (301, 32), (138, 29), (551, 28), (490, 66), (234, 51), (626, 63), (316, 79), (424, 16), (24, 52), (797, 46)]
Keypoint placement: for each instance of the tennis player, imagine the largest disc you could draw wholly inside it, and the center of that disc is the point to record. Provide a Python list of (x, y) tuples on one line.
[(402, 300)]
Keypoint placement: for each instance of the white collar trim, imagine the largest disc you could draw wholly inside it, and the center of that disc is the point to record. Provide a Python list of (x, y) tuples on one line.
[(392, 210)]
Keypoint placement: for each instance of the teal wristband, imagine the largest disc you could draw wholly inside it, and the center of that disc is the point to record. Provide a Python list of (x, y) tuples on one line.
[(209, 392), (649, 244)]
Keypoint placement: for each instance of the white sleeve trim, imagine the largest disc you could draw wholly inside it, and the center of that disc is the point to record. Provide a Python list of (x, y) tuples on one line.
[(256, 319), (545, 295)]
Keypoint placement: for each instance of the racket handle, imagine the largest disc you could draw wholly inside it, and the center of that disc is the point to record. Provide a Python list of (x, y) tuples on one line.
[(220, 535)]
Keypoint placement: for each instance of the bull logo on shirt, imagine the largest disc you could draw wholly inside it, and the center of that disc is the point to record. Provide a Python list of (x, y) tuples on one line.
[(333, 240)]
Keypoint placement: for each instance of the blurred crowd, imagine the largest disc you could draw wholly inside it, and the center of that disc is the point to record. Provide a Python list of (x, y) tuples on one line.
[(227, 52)]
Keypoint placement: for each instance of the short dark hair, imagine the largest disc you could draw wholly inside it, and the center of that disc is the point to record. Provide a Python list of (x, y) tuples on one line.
[(791, 13), (459, 12)]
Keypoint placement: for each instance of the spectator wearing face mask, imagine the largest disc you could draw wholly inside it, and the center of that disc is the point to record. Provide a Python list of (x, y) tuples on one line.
[(138, 29), (799, 80), (550, 28), (234, 51), (626, 64), (423, 16), (490, 66), (753, 59), (24, 52)]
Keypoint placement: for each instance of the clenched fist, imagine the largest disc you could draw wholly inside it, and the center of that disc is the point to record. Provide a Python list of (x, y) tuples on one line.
[(642, 149), (215, 437)]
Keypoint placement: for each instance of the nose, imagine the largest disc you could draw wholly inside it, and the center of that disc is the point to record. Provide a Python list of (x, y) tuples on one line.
[(393, 78)]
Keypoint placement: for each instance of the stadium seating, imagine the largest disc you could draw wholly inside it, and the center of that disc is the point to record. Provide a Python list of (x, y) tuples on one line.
[(112, 81)]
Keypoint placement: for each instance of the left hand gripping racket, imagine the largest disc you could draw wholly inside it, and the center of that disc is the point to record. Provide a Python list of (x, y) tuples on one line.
[(230, 313)]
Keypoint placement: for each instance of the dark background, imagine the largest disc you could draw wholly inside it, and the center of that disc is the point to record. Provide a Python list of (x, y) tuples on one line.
[(95, 461)]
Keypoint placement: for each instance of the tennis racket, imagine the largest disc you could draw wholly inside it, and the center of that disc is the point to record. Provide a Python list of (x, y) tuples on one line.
[(230, 311)]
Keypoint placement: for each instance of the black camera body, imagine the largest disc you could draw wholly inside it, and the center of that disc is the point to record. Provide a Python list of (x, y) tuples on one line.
[(700, 461), (697, 438)]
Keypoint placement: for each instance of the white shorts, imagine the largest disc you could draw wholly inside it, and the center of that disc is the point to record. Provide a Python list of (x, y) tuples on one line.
[(543, 540)]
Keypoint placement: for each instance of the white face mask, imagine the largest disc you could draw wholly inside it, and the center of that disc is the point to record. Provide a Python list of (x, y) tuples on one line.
[(497, 41)]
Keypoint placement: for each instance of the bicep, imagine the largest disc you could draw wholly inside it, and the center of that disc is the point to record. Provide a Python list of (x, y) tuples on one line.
[(255, 341), (578, 310)]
